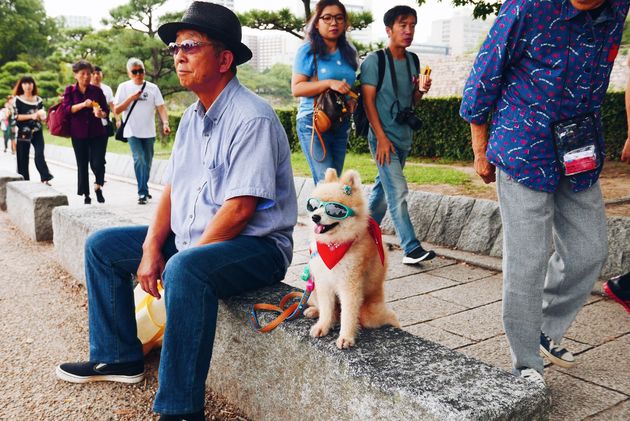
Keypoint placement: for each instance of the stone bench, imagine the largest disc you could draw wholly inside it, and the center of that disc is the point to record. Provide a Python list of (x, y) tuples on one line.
[(30, 205), (6, 177), (389, 375), (72, 227)]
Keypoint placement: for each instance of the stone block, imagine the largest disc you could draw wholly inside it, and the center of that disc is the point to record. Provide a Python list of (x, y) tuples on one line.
[(450, 217), (72, 226), (299, 183), (497, 247), (481, 228), (6, 177), (389, 374), (422, 209), (618, 261), (30, 205)]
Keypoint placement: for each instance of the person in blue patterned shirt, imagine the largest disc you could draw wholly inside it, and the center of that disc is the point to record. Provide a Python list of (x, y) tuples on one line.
[(544, 62)]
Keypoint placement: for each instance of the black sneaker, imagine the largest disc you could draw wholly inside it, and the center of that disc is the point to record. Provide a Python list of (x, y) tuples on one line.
[(617, 293), (195, 416), (418, 255), (555, 353), (149, 196), (85, 372), (142, 200)]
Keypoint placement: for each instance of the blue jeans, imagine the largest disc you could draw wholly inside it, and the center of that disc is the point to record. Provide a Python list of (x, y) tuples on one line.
[(336, 142), (142, 151), (194, 280), (390, 191)]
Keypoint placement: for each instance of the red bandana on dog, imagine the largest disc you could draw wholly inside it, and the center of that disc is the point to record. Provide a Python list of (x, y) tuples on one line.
[(332, 253)]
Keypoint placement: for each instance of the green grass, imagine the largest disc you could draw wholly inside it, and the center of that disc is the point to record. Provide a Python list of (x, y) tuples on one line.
[(421, 173), (113, 145), (363, 163)]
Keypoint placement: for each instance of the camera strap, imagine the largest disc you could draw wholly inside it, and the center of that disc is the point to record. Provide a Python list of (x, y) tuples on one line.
[(392, 73)]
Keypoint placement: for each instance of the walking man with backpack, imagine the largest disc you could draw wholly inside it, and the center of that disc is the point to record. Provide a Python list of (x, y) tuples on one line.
[(389, 87)]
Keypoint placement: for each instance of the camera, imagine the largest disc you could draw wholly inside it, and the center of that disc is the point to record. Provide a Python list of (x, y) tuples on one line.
[(408, 117)]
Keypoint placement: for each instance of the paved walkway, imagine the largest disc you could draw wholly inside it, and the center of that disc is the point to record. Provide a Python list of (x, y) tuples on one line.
[(459, 306)]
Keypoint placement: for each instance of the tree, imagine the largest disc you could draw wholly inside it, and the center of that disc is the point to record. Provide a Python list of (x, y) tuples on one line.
[(284, 20), (482, 8), (24, 28), (135, 25)]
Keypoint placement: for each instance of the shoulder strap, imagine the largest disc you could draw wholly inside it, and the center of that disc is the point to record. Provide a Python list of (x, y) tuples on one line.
[(380, 55), (416, 61), (133, 105)]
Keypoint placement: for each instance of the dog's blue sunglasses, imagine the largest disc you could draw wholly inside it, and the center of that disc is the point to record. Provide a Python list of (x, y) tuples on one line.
[(334, 210)]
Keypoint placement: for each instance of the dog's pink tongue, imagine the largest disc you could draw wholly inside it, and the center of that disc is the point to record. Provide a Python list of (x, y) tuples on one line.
[(319, 228)]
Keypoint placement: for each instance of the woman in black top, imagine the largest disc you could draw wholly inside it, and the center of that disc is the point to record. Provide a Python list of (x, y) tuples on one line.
[(30, 114)]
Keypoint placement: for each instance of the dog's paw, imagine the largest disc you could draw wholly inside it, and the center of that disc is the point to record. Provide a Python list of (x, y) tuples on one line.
[(319, 329), (345, 342), (311, 313)]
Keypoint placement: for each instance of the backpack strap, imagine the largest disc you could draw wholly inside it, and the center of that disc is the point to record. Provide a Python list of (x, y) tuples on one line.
[(380, 55), (416, 61)]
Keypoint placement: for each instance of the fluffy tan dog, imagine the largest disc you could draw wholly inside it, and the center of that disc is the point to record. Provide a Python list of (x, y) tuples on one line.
[(348, 262)]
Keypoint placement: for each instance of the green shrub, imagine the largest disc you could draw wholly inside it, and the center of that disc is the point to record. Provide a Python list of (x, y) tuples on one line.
[(444, 134)]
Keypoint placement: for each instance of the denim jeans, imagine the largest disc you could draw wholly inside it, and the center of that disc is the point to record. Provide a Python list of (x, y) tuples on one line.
[(336, 142), (142, 151), (194, 280), (390, 191), (554, 247)]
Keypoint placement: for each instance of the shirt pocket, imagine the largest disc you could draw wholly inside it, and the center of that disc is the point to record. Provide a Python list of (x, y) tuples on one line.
[(216, 184)]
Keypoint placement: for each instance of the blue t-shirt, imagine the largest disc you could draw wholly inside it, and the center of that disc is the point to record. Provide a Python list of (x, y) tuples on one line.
[(331, 66)]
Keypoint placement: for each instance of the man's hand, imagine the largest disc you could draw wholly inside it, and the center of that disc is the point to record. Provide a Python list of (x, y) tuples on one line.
[(87, 103), (625, 153), (486, 170), (150, 271), (166, 129), (135, 96), (339, 86), (383, 148)]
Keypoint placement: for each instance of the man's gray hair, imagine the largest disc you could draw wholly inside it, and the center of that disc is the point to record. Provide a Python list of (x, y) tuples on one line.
[(133, 62)]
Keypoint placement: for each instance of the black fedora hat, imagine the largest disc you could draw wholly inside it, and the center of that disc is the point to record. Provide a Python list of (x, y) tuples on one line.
[(218, 22)]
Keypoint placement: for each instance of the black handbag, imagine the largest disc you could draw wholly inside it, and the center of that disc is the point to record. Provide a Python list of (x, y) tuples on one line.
[(110, 128), (25, 133), (121, 130)]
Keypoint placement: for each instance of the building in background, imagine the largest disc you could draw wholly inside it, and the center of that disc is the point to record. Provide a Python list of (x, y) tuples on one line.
[(461, 33), (270, 47), (74, 21)]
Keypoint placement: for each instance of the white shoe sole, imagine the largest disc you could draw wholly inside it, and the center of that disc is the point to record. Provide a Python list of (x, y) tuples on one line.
[(64, 375), (411, 261), (555, 360)]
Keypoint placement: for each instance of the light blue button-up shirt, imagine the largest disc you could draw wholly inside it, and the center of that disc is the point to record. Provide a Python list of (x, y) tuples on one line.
[(236, 148)]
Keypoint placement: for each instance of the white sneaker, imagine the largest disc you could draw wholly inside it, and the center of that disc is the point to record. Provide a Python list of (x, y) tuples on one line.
[(533, 376)]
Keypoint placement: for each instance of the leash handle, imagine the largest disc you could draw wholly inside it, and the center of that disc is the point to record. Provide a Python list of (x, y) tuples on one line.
[(289, 312)]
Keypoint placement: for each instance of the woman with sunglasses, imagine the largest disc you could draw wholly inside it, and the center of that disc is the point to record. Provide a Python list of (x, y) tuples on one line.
[(327, 60), (30, 114), (87, 106)]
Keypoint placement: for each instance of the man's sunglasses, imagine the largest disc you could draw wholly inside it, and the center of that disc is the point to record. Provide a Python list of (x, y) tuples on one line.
[(334, 210), (187, 47), (137, 71)]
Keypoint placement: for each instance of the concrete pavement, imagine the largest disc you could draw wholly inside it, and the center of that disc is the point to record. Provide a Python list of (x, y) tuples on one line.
[(458, 305)]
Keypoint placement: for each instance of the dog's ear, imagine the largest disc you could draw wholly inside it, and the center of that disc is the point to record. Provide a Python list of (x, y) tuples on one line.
[(351, 178), (331, 175)]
